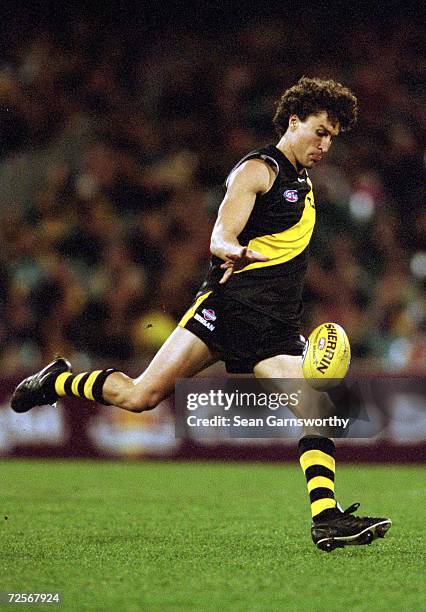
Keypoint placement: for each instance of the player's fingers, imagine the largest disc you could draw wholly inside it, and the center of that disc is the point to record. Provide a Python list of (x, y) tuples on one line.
[(227, 264), (225, 277)]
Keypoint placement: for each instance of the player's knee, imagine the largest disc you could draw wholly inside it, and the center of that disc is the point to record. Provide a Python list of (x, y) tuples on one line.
[(141, 400)]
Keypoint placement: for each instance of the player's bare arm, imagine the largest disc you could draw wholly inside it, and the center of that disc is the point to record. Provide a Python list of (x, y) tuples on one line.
[(253, 177)]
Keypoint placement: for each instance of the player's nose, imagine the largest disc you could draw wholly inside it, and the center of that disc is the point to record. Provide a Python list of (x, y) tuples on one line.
[(325, 145)]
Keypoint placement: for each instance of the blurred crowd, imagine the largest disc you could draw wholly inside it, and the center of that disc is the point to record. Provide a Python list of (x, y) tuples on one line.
[(114, 145)]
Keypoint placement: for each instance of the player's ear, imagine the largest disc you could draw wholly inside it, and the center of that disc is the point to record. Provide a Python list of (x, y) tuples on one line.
[(293, 122)]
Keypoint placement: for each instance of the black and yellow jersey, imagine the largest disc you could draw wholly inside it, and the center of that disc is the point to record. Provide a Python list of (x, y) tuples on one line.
[(280, 226)]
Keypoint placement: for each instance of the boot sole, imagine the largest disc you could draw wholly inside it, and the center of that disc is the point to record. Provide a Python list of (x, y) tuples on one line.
[(366, 536)]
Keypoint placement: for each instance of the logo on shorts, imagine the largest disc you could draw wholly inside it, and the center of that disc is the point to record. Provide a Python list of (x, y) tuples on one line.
[(291, 195), (200, 319), (209, 314), (321, 343)]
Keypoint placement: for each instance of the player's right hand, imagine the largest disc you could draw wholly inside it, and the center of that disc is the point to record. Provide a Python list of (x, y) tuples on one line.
[(238, 261)]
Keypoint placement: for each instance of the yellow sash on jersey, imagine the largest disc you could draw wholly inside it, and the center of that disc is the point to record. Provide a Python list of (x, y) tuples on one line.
[(287, 244)]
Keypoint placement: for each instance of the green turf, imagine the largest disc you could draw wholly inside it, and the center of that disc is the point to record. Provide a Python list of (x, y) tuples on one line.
[(203, 536)]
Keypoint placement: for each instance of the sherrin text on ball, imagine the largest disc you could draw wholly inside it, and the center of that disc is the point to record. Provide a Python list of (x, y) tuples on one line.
[(327, 356)]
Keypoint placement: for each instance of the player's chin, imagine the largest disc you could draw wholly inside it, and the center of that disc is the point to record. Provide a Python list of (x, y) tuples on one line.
[(310, 163)]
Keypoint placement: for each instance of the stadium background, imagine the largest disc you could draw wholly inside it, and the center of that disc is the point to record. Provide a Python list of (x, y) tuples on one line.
[(117, 129)]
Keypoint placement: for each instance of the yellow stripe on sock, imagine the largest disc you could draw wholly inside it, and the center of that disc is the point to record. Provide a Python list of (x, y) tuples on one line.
[(322, 504), (88, 386), (74, 384), (190, 313), (320, 481), (60, 383), (317, 457)]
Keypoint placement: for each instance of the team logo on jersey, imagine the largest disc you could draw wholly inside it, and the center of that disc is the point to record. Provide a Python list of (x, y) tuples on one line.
[(209, 314), (291, 195)]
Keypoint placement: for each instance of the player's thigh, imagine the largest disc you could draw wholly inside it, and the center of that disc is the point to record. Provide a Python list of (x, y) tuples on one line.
[(182, 355), (284, 374), (279, 366)]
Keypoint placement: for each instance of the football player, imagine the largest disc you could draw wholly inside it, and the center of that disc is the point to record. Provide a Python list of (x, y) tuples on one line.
[(247, 312)]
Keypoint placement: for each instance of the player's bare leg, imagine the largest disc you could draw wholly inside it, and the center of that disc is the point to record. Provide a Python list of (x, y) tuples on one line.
[(183, 355), (331, 526), (285, 374)]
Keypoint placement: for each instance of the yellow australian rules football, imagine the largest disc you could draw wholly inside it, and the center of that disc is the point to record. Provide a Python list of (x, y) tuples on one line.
[(326, 357)]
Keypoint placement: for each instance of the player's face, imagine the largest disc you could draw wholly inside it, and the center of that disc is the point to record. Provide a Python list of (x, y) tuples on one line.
[(311, 139)]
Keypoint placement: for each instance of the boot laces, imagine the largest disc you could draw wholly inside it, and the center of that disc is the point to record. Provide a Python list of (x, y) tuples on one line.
[(352, 508), (354, 520)]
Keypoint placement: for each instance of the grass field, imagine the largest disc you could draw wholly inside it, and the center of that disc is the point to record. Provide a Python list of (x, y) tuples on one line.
[(203, 536)]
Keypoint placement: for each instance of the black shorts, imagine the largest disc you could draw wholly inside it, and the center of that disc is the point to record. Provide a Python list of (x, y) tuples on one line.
[(243, 334)]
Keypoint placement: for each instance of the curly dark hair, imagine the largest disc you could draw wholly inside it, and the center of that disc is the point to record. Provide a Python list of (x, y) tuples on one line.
[(312, 96)]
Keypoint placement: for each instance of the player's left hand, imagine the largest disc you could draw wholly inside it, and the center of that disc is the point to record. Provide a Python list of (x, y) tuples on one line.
[(238, 261)]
